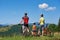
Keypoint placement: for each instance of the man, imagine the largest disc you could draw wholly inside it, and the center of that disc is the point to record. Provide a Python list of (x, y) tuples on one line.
[(42, 22), (25, 19)]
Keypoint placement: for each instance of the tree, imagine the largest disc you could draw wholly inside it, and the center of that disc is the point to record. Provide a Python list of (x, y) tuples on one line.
[(52, 27), (58, 25)]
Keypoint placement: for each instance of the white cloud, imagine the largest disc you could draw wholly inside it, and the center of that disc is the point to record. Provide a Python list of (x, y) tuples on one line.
[(46, 7), (50, 8), (43, 6)]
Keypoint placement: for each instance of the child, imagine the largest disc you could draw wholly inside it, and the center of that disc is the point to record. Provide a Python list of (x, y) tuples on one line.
[(34, 29)]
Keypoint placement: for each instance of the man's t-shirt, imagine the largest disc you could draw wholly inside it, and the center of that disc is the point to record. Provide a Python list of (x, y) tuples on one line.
[(42, 21), (25, 19)]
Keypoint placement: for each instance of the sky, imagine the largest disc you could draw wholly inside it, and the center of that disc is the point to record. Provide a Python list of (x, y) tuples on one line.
[(12, 11)]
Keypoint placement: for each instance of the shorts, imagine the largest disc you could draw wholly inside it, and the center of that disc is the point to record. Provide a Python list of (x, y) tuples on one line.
[(34, 31), (26, 25), (42, 27)]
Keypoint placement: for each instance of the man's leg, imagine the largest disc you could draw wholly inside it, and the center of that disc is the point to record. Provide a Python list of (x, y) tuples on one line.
[(27, 27), (42, 30), (24, 29), (39, 31)]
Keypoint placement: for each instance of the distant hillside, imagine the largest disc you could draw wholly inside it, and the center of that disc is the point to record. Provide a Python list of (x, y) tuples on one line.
[(1, 25), (37, 24)]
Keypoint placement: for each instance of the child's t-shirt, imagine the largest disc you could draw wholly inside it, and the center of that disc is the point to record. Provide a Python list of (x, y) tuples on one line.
[(34, 27)]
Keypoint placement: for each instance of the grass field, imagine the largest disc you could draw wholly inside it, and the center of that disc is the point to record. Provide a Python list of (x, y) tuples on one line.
[(20, 37)]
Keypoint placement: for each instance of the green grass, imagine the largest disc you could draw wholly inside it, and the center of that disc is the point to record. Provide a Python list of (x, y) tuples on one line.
[(19, 37)]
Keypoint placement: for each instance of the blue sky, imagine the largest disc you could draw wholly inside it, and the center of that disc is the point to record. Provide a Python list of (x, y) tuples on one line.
[(11, 11)]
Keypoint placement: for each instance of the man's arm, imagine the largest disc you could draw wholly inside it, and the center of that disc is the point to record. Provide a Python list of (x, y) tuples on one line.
[(28, 18), (44, 21), (39, 20), (21, 20)]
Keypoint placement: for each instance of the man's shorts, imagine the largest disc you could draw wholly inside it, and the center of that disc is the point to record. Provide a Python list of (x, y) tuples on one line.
[(26, 25), (42, 27)]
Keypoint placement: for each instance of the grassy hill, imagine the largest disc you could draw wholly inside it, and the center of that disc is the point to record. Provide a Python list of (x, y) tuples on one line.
[(16, 29), (13, 32), (19, 37)]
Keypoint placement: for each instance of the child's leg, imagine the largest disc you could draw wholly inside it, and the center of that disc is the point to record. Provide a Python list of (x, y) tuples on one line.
[(34, 32)]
